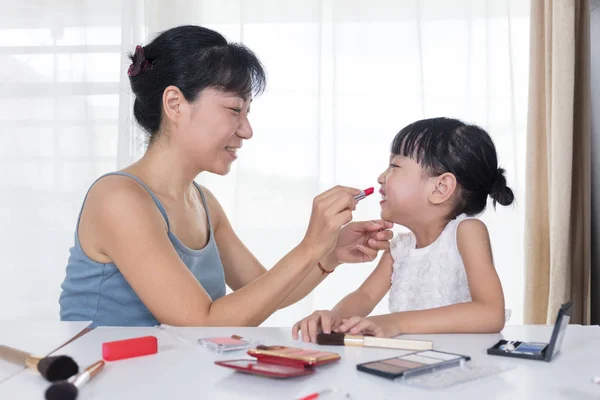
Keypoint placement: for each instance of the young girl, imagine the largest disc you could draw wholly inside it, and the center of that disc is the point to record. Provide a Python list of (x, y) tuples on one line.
[(441, 275)]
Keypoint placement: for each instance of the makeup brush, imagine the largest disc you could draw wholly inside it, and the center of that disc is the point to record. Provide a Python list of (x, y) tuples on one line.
[(54, 368), (68, 390), (341, 339)]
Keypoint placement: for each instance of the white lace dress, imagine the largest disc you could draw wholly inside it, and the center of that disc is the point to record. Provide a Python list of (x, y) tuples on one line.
[(430, 277)]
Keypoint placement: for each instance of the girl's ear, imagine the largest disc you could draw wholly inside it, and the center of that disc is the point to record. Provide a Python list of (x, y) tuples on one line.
[(443, 187)]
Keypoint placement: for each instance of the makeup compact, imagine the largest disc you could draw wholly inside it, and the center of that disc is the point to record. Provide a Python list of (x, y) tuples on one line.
[(226, 344), (281, 361), (413, 364), (536, 350)]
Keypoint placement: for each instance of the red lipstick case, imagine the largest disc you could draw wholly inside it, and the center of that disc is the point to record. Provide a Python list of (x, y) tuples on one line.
[(136, 347)]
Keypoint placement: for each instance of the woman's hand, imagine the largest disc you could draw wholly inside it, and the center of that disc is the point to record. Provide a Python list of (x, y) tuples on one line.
[(378, 325), (331, 210), (319, 321), (361, 241)]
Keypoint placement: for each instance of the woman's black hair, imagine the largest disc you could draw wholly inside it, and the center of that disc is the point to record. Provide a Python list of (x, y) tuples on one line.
[(191, 58), (443, 145)]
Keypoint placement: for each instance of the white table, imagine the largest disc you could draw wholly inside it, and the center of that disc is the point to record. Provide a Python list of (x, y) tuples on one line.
[(183, 370), (38, 338)]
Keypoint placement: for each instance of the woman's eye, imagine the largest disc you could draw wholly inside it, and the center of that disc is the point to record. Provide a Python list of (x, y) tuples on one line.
[(393, 166), (237, 110)]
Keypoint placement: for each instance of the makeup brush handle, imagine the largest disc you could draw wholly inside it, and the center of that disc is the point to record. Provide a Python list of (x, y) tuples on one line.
[(14, 356), (89, 373)]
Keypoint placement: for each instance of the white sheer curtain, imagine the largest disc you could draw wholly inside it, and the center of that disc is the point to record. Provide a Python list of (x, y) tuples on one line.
[(344, 77)]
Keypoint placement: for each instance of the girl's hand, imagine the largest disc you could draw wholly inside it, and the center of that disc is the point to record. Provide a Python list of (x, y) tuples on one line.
[(319, 321), (361, 241), (379, 326)]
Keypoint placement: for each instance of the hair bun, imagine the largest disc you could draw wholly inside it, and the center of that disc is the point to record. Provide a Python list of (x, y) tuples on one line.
[(499, 192)]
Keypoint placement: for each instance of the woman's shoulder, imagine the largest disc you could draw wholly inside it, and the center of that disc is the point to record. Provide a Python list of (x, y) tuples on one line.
[(114, 197), (114, 188)]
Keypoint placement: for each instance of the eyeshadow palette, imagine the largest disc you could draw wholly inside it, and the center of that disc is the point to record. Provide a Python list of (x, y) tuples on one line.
[(412, 364), (281, 361), (293, 355), (255, 367), (536, 350)]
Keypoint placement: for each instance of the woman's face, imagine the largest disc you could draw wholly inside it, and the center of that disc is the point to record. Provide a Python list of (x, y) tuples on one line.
[(213, 130)]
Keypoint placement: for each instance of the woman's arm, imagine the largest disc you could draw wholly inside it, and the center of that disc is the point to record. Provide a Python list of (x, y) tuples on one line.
[(484, 314), (241, 266), (133, 234)]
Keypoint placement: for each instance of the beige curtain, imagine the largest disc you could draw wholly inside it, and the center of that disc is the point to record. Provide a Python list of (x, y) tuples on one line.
[(558, 202)]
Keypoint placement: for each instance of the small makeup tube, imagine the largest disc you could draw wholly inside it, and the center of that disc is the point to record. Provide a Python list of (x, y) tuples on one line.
[(340, 339), (318, 394), (128, 348), (364, 193)]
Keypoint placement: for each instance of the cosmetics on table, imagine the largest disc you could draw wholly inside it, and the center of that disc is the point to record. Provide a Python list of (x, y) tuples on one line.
[(413, 364), (293, 356), (281, 361), (318, 395), (341, 339), (69, 389), (52, 368), (536, 350), (128, 348), (226, 344)]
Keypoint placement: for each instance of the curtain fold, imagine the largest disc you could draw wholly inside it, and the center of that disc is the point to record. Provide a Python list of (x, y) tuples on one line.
[(558, 202)]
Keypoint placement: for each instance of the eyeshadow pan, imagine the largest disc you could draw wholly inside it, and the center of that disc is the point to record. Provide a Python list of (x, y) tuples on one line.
[(288, 350), (418, 359), (403, 363), (322, 354), (439, 356), (383, 367), (306, 353), (224, 340)]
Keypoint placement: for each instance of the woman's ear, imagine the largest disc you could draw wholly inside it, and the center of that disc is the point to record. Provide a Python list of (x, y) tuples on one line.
[(173, 101), (443, 187)]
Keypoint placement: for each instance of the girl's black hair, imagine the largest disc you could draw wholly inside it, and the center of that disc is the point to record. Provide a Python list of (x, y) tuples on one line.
[(442, 145), (191, 58)]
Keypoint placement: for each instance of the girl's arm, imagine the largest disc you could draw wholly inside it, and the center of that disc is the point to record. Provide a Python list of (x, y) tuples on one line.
[(484, 314), (360, 302), (364, 299)]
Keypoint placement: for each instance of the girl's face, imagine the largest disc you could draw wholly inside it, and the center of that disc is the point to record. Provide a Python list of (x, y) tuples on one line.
[(214, 128), (404, 190)]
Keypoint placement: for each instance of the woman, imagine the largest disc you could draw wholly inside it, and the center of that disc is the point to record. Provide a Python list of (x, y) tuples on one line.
[(152, 246)]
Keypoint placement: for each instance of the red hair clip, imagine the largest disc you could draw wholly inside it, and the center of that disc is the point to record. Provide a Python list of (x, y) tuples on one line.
[(139, 64)]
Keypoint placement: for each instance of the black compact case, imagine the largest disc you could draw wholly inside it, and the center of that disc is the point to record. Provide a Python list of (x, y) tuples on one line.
[(413, 364), (537, 350)]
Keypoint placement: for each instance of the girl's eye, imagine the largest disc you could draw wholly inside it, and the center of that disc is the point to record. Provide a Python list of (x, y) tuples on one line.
[(236, 110), (393, 166)]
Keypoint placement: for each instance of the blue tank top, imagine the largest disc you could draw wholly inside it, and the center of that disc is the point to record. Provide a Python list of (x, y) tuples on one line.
[(98, 292)]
